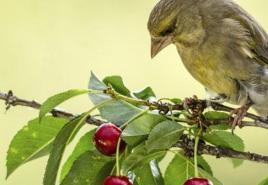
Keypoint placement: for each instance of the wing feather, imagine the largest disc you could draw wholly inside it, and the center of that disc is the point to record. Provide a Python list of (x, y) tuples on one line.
[(259, 38)]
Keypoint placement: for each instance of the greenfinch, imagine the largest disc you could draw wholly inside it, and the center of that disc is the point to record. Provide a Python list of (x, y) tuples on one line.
[(221, 45)]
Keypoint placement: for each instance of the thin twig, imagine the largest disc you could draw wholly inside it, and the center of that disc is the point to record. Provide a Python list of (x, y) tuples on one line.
[(164, 108), (220, 107), (255, 123), (12, 100), (187, 145)]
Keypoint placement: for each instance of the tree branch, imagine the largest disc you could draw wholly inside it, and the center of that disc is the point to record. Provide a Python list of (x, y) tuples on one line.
[(220, 107), (12, 100), (190, 103), (185, 144)]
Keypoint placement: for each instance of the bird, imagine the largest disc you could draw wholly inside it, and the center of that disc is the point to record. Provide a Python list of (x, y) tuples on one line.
[(221, 45)]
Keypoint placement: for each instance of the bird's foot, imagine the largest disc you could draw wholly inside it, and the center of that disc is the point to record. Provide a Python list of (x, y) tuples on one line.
[(237, 115)]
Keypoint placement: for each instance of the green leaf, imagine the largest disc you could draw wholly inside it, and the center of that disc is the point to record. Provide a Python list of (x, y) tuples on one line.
[(105, 171), (57, 99), (264, 182), (164, 135), (139, 157), (149, 174), (62, 139), (139, 129), (117, 112), (180, 169), (33, 141), (237, 162), (206, 175), (143, 175), (85, 144), (213, 115), (223, 126), (228, 140), (156, 172), (95, 83), (176, 100), (90, 168), (145, 93), (117, 83), (202, 163)]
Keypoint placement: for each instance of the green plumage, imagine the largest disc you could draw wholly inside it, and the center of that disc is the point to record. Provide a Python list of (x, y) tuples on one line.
[(220, 44)]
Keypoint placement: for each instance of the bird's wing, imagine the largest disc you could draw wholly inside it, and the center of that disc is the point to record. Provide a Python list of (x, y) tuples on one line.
[(253, 43), (259, 38)]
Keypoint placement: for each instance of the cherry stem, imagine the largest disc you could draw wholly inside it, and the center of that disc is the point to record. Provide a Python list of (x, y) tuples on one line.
[(197, 137), (117, 157)]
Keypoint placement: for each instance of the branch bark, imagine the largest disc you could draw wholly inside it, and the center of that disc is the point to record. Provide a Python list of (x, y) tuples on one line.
[(191, 103), (185, 144), (12, 100), (188, 145)]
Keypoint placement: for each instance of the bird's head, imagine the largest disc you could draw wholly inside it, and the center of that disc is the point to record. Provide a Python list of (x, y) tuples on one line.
[(162, 24)]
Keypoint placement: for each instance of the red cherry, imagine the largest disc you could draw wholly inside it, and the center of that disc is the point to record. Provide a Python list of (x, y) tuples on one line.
[(198, 181), (106, 139), (116, 180)]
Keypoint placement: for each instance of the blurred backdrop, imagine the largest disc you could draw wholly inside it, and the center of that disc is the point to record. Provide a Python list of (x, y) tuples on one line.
[(50, 46)]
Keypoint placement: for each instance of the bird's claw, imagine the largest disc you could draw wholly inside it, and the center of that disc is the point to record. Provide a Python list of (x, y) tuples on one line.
[(237, 116)]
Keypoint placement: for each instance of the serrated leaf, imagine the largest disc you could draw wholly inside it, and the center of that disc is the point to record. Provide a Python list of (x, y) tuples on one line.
[(145, 93), (57, 99), (117, 112), (90, 168), (85, 144), (228, 140), (148, 174), (33, 141), (180, 169), (62, 139), (264, 182), (117, 83), (139, 129), (164, 135), (139, 157)]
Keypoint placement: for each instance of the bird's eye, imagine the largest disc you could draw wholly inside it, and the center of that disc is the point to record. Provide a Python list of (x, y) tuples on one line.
[(169, 30)]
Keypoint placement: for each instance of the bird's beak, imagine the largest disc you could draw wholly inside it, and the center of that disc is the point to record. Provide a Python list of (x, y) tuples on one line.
[(157, 44)]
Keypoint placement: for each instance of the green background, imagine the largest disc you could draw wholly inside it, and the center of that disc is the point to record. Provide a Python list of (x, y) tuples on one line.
[(48, 46)]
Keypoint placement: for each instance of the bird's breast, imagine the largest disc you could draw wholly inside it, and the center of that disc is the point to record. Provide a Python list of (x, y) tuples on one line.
[(205, 69)]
